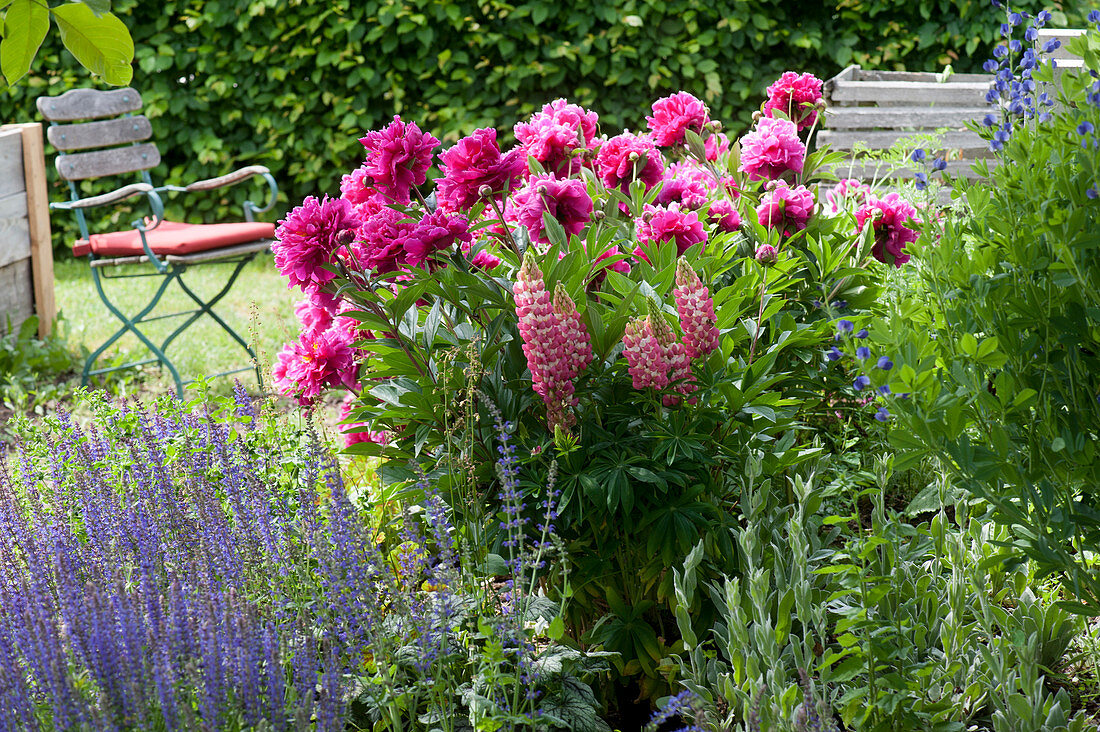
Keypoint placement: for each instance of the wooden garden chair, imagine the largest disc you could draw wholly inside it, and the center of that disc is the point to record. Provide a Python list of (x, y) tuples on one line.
[(164, 249)]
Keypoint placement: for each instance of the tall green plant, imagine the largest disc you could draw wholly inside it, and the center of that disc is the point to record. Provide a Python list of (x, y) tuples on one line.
[(999, 339)]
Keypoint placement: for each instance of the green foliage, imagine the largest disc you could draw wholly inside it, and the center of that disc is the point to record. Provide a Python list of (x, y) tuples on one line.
[(906, 626), (997, 338), (32, 370), (92, 34), (293, 85)]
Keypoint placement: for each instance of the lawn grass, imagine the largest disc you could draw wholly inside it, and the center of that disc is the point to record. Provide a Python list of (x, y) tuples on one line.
[(259, 307)]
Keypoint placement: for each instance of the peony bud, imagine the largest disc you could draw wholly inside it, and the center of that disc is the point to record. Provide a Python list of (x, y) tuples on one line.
[(767, 255)]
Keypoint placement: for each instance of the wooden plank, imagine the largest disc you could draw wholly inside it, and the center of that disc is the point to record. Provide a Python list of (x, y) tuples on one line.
[(78, 166), (885, 139), (88, 104), (865, 118), (15, 236), (928, 77), (1065, 35), (38, 221), (100, 134), (962, 93), (11, 162), (16, 294), (878, 169)]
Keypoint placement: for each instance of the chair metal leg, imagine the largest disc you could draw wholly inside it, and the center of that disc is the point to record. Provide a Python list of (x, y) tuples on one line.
[(129, 325), (207, 308)]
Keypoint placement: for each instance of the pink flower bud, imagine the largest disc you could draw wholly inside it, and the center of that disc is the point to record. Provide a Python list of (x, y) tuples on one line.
[(767, 255)]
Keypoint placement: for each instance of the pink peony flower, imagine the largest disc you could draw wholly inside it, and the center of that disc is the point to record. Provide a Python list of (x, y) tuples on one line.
[(695, 307), (433, 233), (674, 115), (378, 437), (688, 184), (795, 96), (398, 158), (309, 237), (555, 342), (551, 142), (846, 192), (565, 200), (627, 157), (716, 145), (574, 116), (725, 215), (317, 360), (476, 161), (660, 224), (313, 317), (391, 241), (888, 216), (484, 259), (786, 209), (357, 187), (645, 356), (772, 149)]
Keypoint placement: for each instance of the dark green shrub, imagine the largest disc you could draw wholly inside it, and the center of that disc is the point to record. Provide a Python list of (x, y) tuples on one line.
[(292, 85)]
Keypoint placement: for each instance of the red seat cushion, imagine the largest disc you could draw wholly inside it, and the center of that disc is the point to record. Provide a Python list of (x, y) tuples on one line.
[(172, 237)]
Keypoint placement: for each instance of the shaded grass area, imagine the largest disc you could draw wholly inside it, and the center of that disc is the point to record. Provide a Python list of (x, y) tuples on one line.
[(259, 307)]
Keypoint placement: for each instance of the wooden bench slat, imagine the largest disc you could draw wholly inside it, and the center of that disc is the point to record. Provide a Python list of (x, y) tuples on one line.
[(930, 118), (115, 161), (885, 139), (78, 104), (927, 77), (867, 170), (1065, 35), (970, 93), (100, 134)]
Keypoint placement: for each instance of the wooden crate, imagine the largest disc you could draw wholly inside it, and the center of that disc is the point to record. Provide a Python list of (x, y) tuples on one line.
[(26, 252), (875, 109)]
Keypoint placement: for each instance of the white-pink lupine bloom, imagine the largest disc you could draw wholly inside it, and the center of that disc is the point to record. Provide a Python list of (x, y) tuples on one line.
[(696, 309)]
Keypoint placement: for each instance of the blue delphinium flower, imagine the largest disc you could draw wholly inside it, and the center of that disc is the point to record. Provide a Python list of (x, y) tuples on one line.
[(882, 415), (921, 181), (834, 354), (884, 390), (884, 363), (861, 382), (1031, 34), (1094, 16), (1051, 45), (917, 155), (862, 333), (863, 353), (989, 120), (1091, 192), (844, 326)]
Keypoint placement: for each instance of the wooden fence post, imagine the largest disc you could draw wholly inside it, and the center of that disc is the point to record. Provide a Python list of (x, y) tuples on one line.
[(36, 221)]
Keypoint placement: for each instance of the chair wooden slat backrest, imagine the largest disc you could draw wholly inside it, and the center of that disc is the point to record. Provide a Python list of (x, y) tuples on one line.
[(100, 134), (117, 137)]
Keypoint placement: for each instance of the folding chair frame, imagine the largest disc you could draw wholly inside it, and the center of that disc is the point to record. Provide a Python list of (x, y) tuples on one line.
[(171, 268)]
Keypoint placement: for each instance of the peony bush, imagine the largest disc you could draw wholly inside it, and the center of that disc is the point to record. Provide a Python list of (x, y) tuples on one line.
[(647, 309)]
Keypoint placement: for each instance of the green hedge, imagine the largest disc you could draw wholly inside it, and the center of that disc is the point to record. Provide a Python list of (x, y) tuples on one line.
[(294, 84)]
